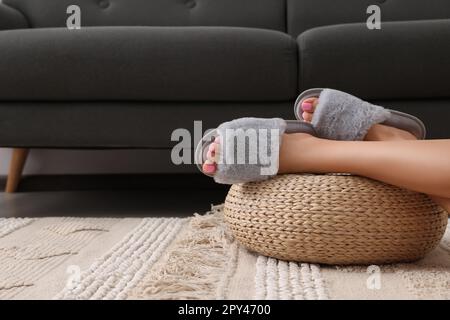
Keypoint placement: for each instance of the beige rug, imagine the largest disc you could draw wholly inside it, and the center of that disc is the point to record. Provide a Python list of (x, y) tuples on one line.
[(191, 258)]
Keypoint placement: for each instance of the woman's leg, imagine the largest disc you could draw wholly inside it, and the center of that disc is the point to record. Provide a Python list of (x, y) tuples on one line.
[(422, 166), (385, 133), (443, 202), (376, 133)]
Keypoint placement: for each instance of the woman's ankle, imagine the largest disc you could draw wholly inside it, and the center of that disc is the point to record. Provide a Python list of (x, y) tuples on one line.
[(302, 153), (380, 132)]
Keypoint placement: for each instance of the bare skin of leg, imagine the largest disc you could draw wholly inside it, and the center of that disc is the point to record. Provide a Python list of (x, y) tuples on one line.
[(389, 155), (385, 133), (421, 166), (376, 133)]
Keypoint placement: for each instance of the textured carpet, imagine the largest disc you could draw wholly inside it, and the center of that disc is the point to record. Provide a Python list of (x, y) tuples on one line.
[(190, 258)]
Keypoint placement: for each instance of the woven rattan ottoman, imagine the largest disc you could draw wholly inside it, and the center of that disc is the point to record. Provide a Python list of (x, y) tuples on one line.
[(333, 219)]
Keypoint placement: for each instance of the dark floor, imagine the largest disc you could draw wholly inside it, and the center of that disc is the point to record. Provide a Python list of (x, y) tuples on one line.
[(115, 195)]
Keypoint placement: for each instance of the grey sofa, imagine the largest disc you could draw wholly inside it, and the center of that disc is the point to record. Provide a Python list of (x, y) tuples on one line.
[(138, 69)]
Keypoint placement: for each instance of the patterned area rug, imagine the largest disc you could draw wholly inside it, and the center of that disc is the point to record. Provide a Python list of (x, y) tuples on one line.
[(190, 258)]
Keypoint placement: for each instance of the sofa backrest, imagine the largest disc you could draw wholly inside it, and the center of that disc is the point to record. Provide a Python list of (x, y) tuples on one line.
[(292, 16), (306, 14), (267, 14)]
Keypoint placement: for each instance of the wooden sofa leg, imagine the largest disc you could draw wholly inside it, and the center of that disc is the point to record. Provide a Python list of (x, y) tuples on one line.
[(19, 157)]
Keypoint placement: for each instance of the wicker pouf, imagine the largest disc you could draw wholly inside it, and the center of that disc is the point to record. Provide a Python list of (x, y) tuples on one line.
[(333, 219)]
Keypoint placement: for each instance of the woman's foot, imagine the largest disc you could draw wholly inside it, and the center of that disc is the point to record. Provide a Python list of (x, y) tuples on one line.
[(290, 160), (377, 132)]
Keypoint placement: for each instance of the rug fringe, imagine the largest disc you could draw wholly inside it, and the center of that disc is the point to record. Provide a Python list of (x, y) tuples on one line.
[(197, 265)]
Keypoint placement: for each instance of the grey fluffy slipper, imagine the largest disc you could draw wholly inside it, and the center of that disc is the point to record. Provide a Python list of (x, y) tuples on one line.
[(341, 116), (249, 148)]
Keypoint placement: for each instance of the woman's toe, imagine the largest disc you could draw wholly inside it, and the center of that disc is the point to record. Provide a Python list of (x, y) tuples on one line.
[(209, 167), (307, 116), (211, 151), (308, 105), (210, 154)]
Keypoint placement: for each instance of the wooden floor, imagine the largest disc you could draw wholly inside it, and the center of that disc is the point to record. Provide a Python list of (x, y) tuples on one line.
[(116, 196)]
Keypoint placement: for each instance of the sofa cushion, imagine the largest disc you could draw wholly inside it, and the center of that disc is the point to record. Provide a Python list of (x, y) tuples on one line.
[(148, 63), (307, 14), (405, 60), (11, 18), (266, 14)]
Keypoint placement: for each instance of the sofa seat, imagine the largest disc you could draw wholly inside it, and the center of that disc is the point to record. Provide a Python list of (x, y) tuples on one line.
[(147, 64)]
